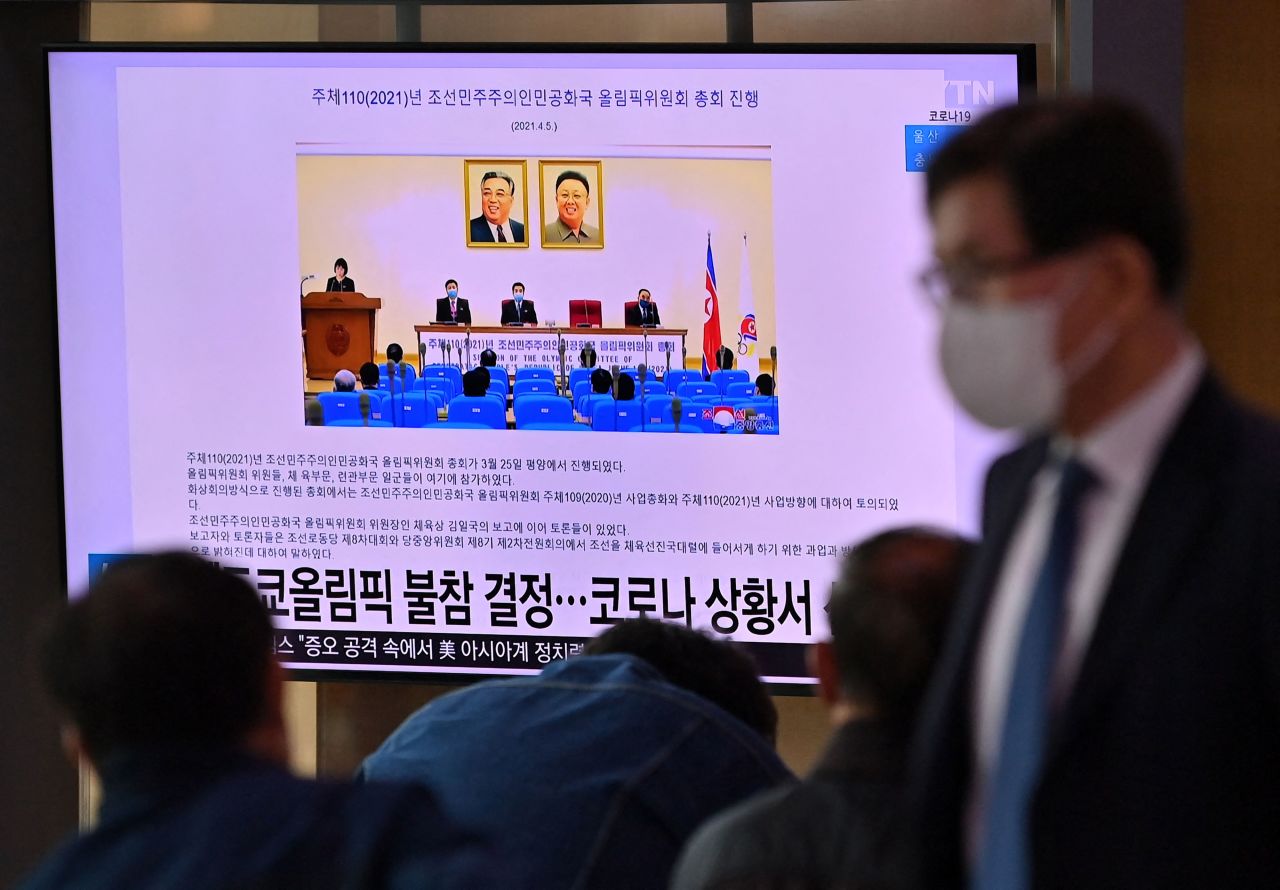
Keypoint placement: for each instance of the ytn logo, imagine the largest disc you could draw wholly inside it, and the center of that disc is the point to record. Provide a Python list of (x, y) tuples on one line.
[(960, 93)]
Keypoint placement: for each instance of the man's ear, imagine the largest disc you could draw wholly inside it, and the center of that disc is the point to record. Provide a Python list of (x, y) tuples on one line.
[(1128, 275), (822, 664)]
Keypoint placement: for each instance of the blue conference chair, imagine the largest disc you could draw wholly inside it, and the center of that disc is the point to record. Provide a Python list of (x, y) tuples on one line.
[(693, 414), (657, 409), (416, 411), (740, 390), (696, 388), (722, 379), (532, 386), (448, 373), (615, 417), (539, 408), (589, 402), (535, 374), (653, 387), (560, 427), (579, 389), (339, 406), (478, 409), (410, 373), (675, 378), (578, 375)]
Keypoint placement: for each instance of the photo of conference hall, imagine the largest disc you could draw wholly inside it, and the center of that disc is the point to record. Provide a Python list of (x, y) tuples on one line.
[(582, 396)]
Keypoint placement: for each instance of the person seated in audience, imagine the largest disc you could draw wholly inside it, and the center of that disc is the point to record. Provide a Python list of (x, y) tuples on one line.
[(369, 376), (764, 385), (395, 353), (475, 382), (842, 827), (601, 384), (488, 359), (596, 770), (626, 388), (166, 673), (344, 381)]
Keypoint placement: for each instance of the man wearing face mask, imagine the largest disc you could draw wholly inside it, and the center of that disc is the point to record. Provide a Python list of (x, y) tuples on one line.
[(451, 308), (1107, 711), (518, 310)]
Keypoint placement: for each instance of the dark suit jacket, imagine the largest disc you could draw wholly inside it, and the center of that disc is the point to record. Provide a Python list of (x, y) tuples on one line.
[(839, 829), (633, 315), (1161, 768), (347, 284), (480, 230), (464, 311), (528, 312)]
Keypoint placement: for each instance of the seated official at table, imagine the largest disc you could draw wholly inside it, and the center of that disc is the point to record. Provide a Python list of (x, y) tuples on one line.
[(452, 308), (340, 281), (644, 312), (518, 310)]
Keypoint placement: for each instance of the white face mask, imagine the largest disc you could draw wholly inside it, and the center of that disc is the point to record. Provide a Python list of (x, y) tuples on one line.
[(998, 360)]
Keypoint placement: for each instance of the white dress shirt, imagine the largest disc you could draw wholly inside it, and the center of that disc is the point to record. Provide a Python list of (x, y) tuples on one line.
[(506, 230), (1121, 453)]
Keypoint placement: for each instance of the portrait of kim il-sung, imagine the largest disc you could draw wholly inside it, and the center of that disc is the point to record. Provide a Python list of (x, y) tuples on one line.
[(497, 203), (572, 203)]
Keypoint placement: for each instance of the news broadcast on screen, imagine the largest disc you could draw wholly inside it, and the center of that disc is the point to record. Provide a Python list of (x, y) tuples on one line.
[(461, 356)]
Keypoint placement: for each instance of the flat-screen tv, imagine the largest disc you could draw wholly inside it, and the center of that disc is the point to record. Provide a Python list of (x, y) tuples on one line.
[(688, 272)]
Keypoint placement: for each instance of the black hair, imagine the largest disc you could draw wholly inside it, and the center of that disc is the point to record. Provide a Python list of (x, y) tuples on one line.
[(162, 650), (1077, 169), (495, 174), (369, 375), (340, 262), (644, 290), (450, 281), (587, 356), (601, 380), (724, 358), (764, 384), (488, 359), (475, 382), (395, 353), (626, 388), (716, 669), (888, 614), (573, 174), (515, 284)]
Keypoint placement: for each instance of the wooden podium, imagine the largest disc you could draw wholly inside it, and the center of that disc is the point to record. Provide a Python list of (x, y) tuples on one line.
[(338, 329)]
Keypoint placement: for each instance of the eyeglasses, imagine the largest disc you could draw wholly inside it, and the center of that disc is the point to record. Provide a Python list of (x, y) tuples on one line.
[(962, 281)]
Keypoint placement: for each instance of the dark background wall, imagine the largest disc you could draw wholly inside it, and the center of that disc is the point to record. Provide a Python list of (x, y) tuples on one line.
[(37, 787)]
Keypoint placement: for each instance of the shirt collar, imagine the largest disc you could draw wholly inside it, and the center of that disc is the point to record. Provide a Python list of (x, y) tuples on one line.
[(1122, 450)]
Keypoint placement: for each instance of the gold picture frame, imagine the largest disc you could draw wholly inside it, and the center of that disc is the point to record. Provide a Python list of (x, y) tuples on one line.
[(556, 233), (475, 224)]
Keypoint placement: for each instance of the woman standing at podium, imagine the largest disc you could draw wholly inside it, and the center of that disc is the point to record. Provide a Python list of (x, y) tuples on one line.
[(340, 281)]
